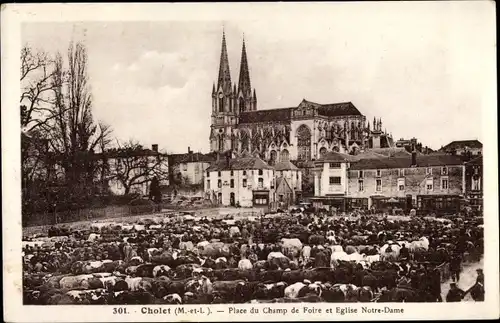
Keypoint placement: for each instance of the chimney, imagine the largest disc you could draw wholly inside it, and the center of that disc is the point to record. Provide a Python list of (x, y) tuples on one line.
[(189, 150), (413, 156), (154, 147)]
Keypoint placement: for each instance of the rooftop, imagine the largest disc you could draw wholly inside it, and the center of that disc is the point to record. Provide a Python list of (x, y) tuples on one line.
[(241, 163), (285, 114), (285, 165), (459, 144), (405, 162)]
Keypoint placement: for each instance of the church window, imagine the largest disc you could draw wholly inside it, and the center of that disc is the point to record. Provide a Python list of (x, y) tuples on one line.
[(245, 142), (285, 155), (221, 104), (273, 157), (304, 142), (221, 143), (322, 152), (242, 105)]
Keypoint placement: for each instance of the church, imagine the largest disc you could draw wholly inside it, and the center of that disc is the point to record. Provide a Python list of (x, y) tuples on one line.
[(302, 134)]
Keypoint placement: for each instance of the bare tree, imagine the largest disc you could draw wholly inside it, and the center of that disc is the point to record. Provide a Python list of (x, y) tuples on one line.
[(37, 69), (132, 165), (73, 133)]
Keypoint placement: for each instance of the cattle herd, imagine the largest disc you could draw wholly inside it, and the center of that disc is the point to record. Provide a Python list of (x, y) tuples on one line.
[(284, 258)]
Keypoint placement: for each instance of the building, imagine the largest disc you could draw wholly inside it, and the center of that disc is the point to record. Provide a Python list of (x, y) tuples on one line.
[(288, 179), (425, 182), (131, 170), (244, 181), (474, 182), (301, 133), (331, 181), (248, 181), (463, 148), (189, 168)]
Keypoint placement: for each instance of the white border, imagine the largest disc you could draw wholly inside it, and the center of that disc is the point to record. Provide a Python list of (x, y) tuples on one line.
[(13, 15)]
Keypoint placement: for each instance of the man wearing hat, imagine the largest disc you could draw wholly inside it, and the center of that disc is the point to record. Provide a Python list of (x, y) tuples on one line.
[(477, 290), (455, 294), (480, 276)]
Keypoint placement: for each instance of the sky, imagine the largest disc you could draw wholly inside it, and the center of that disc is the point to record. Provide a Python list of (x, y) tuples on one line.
[(418, 67)]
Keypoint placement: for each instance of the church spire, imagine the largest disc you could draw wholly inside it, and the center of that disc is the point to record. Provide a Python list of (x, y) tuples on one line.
[(224, 80), (244, 81)]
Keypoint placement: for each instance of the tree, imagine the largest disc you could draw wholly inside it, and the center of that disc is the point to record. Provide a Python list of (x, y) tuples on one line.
[(154, 190), (132, 165), (37, 70), (73, 133)]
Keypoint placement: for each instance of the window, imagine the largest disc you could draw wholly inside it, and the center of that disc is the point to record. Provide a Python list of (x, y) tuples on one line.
[(231, 183), (219, 183), (444, 171), (476, 171), (360, 185), (401, 172), (429, 171), (185, 167), (334, 165), (444, 183), (208, 174), (429, 185), (260, 172), (244, 182), (378, 173), (334, 180), (379, 185), (261, 201), (476, 185), (261, 182), (360, 174), (401, 184), (208, 184), (232, 173), (219, 173), (244, 173)]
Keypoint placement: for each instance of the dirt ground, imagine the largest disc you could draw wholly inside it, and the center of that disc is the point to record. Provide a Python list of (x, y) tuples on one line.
[(210, 213), (467, 279)]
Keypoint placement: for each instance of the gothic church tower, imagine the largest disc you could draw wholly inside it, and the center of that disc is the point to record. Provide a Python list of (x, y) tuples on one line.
[(246, 100), (224, 112)]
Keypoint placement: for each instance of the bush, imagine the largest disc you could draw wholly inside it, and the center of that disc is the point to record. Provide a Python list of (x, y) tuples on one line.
[(141, 202)]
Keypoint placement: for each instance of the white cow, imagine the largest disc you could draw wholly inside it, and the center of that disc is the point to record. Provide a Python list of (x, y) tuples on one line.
[(245, 264), (293, 290), (275, 254), (157, 269), (133, 283)]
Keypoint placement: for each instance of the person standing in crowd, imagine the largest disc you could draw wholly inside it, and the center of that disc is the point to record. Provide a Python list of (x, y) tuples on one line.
[(477, 290), (404, 254), (455, 266), (455, 294)]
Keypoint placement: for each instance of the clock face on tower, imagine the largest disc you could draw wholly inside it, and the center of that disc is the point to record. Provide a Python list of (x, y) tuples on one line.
[(221, 95)]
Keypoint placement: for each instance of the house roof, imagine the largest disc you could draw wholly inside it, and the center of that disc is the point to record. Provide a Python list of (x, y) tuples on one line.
[(335, 156), (459, 144), (241, 163), (123, 153), (405, 162), (285, 165), (191, 158), (391, 152), (476, 161), (282, 181)]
